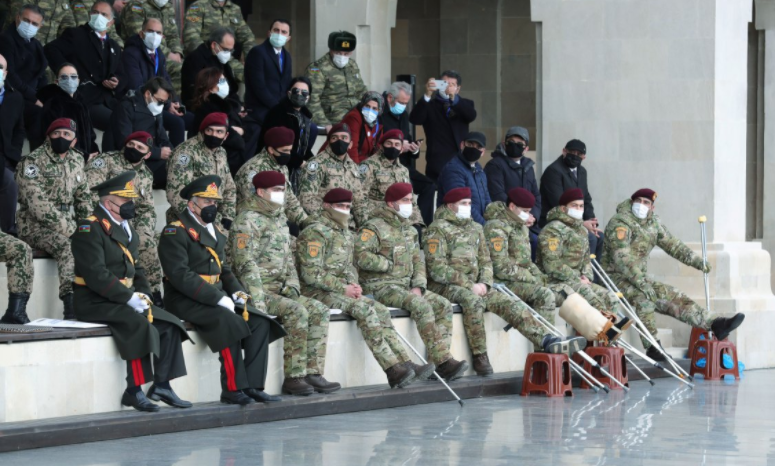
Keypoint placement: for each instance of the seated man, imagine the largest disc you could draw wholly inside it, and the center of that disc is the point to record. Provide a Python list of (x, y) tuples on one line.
[(392, 268), (51, 182), (209, 54), (460, 269), (17, 256), (200, 288), (464, 171), (112, 289), (630, 237), (260, 248), (325, 257)]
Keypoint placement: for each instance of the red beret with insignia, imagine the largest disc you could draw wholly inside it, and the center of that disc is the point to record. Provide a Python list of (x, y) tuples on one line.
[(340, 128), (397, 191), (456, 195), (61, 123), (392, 134), (573, 194), (214, 119), (279, 136), (140, 136), (338, 195)]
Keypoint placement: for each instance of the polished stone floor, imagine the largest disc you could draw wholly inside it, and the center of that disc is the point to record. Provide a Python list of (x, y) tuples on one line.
[(717, 423)]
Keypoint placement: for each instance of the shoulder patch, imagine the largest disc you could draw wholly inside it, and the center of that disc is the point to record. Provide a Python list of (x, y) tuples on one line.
[(363, 169), (621, 233), (497, 243), (137, 8), (242, 240), (106, 225), (31, 171), (433, 245), (313, 248), (553, 243), (91, 218), (367, 235), (251, 175), (184, 160), (193, 234), (314, 70), (84, 229), (99, 162), (194, 7), (170, 231), (312, 167)]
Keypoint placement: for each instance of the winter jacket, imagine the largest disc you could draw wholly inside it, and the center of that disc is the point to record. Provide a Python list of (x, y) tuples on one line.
[(458, 173), (505, 173), (137, 66), (58, 104), (363, 136)]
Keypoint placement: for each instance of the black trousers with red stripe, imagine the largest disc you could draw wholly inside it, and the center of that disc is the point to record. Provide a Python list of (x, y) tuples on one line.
[(170, 365), (240, 373)]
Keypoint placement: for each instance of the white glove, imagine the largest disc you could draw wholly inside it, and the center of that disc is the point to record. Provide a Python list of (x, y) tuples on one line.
[(227, 303), (239, 297), (137, 303)]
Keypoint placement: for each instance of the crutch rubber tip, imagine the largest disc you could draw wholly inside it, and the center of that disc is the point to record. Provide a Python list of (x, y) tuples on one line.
[(691, 379), (702, 219), (652, 383), (606, 389), (461, 403), (597, 390)]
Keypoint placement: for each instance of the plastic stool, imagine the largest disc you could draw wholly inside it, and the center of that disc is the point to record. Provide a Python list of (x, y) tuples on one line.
[(548, 374), (612, 359), (713, 354), (695, 337)]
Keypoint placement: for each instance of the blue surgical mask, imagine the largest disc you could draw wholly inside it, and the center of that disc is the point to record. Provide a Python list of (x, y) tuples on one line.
[(68, 84), (27, 30), (369, 115), (98, 22), (398, 108), (277, 40)]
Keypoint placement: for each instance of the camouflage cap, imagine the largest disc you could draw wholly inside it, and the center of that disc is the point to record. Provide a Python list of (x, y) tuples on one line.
[(122, 185), (341, 41), (204, 187)]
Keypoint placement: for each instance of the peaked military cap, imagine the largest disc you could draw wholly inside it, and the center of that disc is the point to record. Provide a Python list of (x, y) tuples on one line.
[(205, 187), (122, 185), (341, 41)]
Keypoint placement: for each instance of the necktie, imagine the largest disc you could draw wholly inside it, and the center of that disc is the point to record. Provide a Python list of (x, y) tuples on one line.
[(153, 56), (575, 176), (280, 56)]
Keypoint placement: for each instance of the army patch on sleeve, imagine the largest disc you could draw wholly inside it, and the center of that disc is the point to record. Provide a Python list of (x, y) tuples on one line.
[(137, 8), (553, 243), (433, 246), (314, 70), (312, 167), (31, 171), (184, 160), (497, 244), (84, 229), (367, 235), (313, 248), (242, 240), (251, 175), (98, 163), (170, 231), (363, 168), (621, 233)]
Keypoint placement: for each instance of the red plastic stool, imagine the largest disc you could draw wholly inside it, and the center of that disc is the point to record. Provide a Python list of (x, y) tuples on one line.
[(695, 337), (548, 374), (714, 352), (612, 359)]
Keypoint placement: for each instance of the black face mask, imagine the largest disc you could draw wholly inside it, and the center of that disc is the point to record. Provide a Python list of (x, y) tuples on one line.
[(282, 158), (126, 210), (471, 154), (339, 147), (133, 155), (572, 160), (391, 153), (514, 150), (298, 100), (212, 141), (208, 213), (60, 145)]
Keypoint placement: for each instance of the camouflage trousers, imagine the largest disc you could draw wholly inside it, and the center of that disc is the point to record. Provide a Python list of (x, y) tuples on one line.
[(174, 69), (539, 297), (306, 321), (670, 302), (17, 256), (374, 323), (149, 256), (431, 313), (238, 68), (58, 246)]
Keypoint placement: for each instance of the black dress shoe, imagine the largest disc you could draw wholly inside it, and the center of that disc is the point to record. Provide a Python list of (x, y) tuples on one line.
[(139, 402), (261, 396), (235, 398), (168, 396)]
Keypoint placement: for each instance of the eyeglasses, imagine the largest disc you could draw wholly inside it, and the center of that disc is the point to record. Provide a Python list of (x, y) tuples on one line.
[(158, 101), (66, 77), (224, 48), (297, 91)]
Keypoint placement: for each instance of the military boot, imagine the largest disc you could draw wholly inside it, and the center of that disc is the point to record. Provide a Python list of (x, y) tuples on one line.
[(296, 386), (67, 300), (320, 384), (157, 299), (421, 372), (482, 365), (451, 369), (723, 326), (654, 353), (399, 376), (557, 345), (17, 309)]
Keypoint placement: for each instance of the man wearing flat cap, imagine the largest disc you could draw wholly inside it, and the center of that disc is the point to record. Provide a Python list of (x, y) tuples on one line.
[(392, 269), (111, 288), (336, 79), (53, 194), (260, 248), (200, 156), (631, 235), (136, 150), (200, 288), (325, 257)]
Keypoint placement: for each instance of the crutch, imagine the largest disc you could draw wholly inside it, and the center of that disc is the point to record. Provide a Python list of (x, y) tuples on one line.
[(704, 240), (426, 362), (552, 329), (627, 346), (627, 358)]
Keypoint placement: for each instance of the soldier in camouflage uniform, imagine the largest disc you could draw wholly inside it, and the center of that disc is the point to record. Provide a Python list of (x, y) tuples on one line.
[(17, 256), (200, 156), (262, 259), (383, 170), (59, 16), (51, 183), (82, 15), (205, 15), (392, 269), (630, 236), (275, 156), (333, 168), (137, 149), (136, 12), (325, 259), (460, 269), (337, 81)]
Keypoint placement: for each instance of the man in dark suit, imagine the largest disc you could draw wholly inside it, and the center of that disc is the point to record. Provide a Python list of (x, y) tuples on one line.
[(268, 72), (565, 173), (97, 57), (11, 142), (205, 56)]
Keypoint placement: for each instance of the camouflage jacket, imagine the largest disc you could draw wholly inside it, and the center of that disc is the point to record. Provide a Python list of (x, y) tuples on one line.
[(191, 160), (456, 251), (509, 241), (629, 241), (110, 164), (324, 253), (82, 15), (337, 91), (205, 15), (387, 252), (59, 16), (563, 248), (264, 161), (324, 172), (48, 186), (135, 13), (378, 175)]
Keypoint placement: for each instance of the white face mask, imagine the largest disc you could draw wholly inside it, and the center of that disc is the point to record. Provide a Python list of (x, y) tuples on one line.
[(369, 115), (341, 61), (155, 107), (278, 40), (639, 210), (223, 88), (99, 23), (152, 40), (160, 3), (27, 30), (405, 210), (277, 197), (576, 213), (463, 211), (524, 216), (342, 211), (223, 56)]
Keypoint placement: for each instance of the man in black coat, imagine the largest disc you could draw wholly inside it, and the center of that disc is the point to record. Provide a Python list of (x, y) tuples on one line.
[(26, 65), (97, 57), (205, 57), (445, 117), (565, 173), (268, 73), (11, 141)]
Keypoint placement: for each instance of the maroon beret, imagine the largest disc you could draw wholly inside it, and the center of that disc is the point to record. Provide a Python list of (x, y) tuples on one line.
[(397, 191), (456, 195), (338, 195), (392, 134), (268, 179), (279, 136), (61, 123), (214, 119), (340, 128), (645, 192), (140, 136), (521, 197), (573, 194)]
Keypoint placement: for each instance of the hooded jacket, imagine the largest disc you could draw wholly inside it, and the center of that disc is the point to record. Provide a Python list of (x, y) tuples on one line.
[(458, 173), (505, 173)]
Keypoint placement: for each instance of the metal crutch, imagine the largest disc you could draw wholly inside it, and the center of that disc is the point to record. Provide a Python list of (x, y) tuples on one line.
[(704, 240), (630, 348)]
